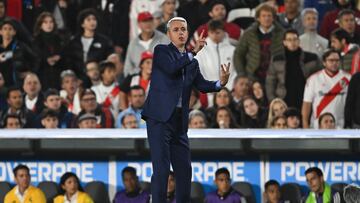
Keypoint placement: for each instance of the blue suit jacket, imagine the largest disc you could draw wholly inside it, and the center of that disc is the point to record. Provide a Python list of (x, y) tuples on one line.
[(167, 83)]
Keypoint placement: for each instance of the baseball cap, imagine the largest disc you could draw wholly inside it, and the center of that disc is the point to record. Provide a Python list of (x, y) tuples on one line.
[(144, 16)]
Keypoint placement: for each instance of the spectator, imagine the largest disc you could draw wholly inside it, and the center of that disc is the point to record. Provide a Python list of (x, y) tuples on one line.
[(311, 41), (48, 46), (327, 121), (321, 6), (351, 193), (258, 92), (16, 58), (330, 21), (136, 8), (92, 72), (224, 192), (3, 90), (145, 41), (132, 191), (34, 99), (320, 191), (340, 41), (12, 121), (278, 122), (195, 100), (87, 120), (252, 115), (22, 33), (218, 13), (197, 119), (64, 12), (293, 118), (49, 119), (87, 44), (137, 100), (121, 26), (23, 189), (107, 92), (52, 101), (352, 108), (224, 118), (16, 106), (70, 91), (348, 22), (291, 18), (171, 188), (104, 117), (325, 91), (71, 190), (138, 79), (196, 13), (119, 64), (218, 51), (129, 121), (168, 11), (258, 43), (272, 192), (277, 107), (288, 72), (241, 88), (222, 98)]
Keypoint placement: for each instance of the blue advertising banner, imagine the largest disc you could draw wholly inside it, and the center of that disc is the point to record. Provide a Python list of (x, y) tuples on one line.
[(53, 170), (204, 172)]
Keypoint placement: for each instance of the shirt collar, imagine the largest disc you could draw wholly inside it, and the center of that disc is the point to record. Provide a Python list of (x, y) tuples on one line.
[(72, 199), (19, 195), (264, 32)]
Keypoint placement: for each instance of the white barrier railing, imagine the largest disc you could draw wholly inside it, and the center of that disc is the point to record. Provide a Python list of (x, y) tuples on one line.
[(194, 133)]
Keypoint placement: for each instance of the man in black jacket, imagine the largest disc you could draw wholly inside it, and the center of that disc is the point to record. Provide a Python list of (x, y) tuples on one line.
[(352, 108)]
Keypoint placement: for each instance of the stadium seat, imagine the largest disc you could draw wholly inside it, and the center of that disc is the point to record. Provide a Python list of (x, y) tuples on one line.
[(291, 192), (146, 186), (5, 187), (97, 191), (245, 189), (339, 187), (50, 189), (197, 194)]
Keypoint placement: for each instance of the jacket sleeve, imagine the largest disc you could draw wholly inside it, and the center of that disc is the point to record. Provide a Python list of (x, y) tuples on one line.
[(271, 81), (240, 55), (164, 61), (350, 99), (204, 85)]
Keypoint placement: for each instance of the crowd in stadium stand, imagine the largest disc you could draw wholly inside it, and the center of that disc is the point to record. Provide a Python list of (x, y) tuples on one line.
[(69, 190), (87, 64)]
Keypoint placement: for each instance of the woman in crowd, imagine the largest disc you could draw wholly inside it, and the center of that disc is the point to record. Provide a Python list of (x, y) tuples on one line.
[(49, 49), (224, 118), (279, 122), (327, 121), (71, 190), (252, 116), (277, 108), (258, 92)]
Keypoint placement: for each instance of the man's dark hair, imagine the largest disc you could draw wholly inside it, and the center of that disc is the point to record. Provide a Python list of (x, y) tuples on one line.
[(270, 183), (315, 170), (20, 167), (290, 31), (216, 2), (214, 25), (11, 115), (341, 34), (8, 22), (12, 89), (84, 14), (106, 65), (50, 92), (344, 12), (222, 171), (48, 113), (136, 87), (329, 52), (128, 169)]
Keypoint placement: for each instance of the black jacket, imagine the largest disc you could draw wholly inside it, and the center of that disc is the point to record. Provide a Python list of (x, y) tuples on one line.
[(100, 49), (352, 107), (46, 45), (259, 122), (21, 59)]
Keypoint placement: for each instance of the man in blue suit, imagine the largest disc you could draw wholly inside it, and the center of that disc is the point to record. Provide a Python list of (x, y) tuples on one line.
[(175, 72)]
